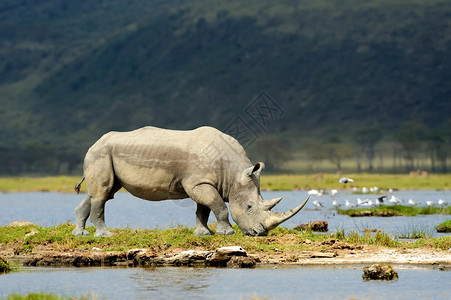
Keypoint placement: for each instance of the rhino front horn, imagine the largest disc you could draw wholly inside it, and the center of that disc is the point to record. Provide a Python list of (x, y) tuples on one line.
[(276, 218)]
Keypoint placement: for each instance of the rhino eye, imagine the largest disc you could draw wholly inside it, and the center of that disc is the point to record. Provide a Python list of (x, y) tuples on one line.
[(249, 207)]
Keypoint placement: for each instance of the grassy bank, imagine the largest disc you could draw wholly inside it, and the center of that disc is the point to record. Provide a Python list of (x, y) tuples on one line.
[(63, 184), (444, 227), (4, 266), (29, 239), (66, 184), (45, 296), (395, 210), (329, 181)]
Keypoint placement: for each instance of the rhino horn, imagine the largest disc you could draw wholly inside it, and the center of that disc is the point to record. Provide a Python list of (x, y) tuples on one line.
[(276, 218), (269, 204)]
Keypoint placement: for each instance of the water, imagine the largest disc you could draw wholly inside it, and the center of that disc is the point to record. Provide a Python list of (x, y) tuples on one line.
[(50, 209), (126, 211), (210, 283)]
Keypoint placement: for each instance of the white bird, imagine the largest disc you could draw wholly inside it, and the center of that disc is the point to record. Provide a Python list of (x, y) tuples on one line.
[(360, 201), (318, 204), (430, 203), (411, 202), (369, 203), (333, 192), (365, 190), (315, 193), (442, 202), (374, 189), (345, 180), (349, 204), (394, 200), (336, 204)]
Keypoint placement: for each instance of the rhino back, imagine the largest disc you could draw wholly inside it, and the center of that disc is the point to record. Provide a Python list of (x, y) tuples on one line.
[(151, 163)]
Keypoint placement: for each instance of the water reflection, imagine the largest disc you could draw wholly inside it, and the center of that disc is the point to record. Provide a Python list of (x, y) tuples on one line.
[(182, 279), (211, 283)]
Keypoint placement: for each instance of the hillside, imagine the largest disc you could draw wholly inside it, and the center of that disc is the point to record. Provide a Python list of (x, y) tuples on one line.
[(70, 71)]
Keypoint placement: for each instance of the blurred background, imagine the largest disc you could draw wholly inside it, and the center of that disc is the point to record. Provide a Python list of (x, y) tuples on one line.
[(362, 86)]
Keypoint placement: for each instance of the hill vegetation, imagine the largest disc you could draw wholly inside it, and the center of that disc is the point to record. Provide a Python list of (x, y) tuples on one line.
[(352, 79)]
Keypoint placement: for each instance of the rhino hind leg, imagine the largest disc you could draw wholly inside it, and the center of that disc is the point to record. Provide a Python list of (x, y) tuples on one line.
[(82, 213), (202, 214), (97, 217), (207, 195)]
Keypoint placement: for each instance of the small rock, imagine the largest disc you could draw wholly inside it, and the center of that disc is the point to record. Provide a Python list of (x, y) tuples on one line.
[(329, 242), (222, 255), (32, 232), (316, 254), (379, 272), (317, 226), (307, 241), (444, 268), (241, 262), (443, 228), (96, 249), (140, 256)]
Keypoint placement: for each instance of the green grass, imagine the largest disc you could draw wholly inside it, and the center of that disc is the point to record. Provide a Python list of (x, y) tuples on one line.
[(396, 210), (329, 181), (379, 238), (45, 296), (60, 238), (124, 239), (4, 266), (66, 184), (413, 231)]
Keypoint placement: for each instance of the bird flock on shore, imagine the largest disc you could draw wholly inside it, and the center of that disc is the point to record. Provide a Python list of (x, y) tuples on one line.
[(388, 199)]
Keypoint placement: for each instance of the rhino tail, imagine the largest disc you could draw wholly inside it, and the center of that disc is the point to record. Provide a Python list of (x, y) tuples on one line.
[(77, 186)]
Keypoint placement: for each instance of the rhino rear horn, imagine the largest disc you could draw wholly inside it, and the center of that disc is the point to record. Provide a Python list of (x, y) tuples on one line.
[(269, 204), (275, 218)]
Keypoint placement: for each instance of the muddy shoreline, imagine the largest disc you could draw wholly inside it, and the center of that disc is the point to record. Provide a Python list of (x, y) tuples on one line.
[(335, 254)]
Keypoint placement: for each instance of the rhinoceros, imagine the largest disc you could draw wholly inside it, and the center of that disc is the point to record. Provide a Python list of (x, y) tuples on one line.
[(155, 164)]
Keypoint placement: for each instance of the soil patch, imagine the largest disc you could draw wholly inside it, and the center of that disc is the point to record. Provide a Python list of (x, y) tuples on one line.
[(329, 252)]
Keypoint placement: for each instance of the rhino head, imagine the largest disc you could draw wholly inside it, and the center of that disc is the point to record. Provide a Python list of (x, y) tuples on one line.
[(251, 213)]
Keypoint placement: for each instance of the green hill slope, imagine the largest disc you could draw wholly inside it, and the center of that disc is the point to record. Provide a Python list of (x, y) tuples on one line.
[(71, 71)]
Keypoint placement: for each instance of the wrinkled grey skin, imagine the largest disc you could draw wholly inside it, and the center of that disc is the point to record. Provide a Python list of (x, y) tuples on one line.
[(156, 164)]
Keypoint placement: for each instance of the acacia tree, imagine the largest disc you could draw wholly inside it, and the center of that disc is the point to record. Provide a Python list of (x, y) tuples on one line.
[(409, 135), (316, 152), (366, 140), (337, 152)]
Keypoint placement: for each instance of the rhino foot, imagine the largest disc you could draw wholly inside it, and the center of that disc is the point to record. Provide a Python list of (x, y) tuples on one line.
[(225, 230), (203, 232), (80, 232), (103, 233)]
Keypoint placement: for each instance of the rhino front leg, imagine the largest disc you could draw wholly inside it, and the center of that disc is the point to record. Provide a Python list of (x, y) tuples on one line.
[(202, 214), (207, 195), (82, 213)]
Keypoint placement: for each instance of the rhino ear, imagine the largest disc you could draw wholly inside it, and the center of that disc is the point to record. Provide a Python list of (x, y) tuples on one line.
[(255, 170)]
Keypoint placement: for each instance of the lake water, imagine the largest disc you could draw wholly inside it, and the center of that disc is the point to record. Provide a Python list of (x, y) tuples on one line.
[(312, 282), (126, 211), (211, 283)]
